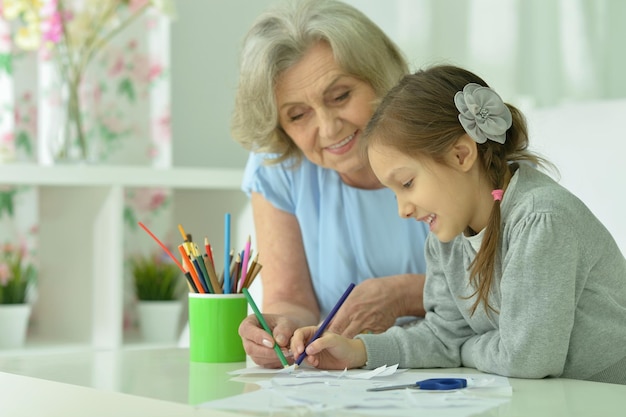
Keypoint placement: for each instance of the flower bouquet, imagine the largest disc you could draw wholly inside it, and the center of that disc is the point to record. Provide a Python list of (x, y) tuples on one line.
[(72, 33), (17, 275)]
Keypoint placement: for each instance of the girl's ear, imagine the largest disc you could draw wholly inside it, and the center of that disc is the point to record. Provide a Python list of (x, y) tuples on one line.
[(464, 153)]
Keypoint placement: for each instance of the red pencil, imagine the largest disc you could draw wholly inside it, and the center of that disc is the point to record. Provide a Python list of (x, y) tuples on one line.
[(144, 227)]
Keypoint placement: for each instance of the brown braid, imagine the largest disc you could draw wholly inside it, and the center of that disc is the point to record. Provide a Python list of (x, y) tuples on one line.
[(483, 266)]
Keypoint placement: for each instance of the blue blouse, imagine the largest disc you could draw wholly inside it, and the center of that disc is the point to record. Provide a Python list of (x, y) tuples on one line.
[(349, 234)]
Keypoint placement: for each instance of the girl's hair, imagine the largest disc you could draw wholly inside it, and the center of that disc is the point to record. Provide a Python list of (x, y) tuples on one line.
[(418, 117), (279, 38)]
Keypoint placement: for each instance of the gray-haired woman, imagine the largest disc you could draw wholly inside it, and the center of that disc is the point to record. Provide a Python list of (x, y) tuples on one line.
[(311, 75)]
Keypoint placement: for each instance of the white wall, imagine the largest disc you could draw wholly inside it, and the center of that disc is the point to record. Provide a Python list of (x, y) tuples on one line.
[(206, 40), (587, 142)]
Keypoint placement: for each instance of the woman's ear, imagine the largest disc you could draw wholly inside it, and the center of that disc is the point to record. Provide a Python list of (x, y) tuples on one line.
[(464, 153)]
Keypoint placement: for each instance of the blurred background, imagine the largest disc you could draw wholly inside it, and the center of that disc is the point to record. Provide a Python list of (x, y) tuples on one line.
[(535, 53)]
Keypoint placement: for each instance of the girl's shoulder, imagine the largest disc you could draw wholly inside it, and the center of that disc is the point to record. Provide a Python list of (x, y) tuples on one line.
[(535, 191)]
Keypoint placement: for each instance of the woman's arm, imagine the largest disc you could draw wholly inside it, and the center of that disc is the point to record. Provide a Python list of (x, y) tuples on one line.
[(288, 298), (375, 304)]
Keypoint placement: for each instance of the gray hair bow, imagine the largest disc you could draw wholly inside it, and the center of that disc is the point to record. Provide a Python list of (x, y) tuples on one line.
[(483, 114)]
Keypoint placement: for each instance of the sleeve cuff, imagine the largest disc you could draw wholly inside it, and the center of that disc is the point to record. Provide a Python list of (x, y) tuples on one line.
[(380, 350)]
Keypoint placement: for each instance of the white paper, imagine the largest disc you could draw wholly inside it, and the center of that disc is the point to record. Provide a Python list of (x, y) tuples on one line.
[(347, 391), (309, 372)]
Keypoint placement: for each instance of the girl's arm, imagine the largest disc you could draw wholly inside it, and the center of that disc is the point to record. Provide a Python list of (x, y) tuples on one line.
[(538, 292)]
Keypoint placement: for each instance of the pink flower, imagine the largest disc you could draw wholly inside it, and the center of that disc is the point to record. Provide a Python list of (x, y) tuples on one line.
[(164, 129), (52, 28), (5, 274), (117, 67), (135, 5), (156, 69), (158, 198), (148, 199), (7, 138)]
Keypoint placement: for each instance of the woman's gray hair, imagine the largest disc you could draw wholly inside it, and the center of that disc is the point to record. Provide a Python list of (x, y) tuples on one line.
[(279, 38)]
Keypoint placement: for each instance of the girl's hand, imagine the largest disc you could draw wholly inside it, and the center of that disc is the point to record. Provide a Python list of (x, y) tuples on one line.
[(259, 345), (330, 351)]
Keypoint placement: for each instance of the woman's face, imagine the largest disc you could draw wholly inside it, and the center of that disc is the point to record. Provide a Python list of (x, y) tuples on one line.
[(324, 111)]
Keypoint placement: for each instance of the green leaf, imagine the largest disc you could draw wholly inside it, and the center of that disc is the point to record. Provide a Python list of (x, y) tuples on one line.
[(6, 202), (6, 63), (126, 88), (23, 141), (129, 218), (155, 279)]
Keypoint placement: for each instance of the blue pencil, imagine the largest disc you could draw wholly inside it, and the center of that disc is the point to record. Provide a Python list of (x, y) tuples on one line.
[(227, 254), (324, 325)]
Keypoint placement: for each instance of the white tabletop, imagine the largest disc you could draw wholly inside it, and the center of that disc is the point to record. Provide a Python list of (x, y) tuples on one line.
[(155, 382)]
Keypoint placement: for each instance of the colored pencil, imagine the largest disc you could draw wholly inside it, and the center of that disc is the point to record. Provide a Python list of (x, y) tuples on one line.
[(227, 284), (144, 227), (203, 275), (324, 325), (208, 250), (217, 289), (244, 265), (191, 269), (261, 319)]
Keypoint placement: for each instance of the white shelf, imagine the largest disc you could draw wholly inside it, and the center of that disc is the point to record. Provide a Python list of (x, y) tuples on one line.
[(81, 240), (126, 176)]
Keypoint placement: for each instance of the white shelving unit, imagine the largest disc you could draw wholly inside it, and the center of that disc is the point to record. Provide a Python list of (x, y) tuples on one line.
[(81, 247)]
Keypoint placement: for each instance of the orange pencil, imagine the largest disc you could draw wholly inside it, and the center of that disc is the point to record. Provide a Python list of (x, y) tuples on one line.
[(192, 269)]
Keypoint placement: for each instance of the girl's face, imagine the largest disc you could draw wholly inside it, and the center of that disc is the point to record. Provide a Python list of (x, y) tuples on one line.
[(324, 111), (448, 197)]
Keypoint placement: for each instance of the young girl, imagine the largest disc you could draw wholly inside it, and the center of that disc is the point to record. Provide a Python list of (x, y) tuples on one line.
[(522, 279)]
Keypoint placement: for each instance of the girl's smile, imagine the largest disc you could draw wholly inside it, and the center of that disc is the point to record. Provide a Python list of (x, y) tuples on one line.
[(442, 195)]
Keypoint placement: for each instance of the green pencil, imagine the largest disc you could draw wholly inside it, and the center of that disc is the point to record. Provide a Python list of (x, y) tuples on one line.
[(259, 317)]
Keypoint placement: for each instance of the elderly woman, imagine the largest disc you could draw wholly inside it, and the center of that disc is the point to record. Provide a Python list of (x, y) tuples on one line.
[(311, 75)]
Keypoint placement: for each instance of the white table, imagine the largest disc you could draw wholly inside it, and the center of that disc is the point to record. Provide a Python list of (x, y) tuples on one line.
[(163, 382)]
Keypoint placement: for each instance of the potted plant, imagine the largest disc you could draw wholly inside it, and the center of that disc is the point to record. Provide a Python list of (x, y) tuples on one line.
[(17, 276), (159, 285)]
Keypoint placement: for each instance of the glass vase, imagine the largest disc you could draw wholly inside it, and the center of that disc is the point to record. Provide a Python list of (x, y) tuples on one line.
[(72, 140)]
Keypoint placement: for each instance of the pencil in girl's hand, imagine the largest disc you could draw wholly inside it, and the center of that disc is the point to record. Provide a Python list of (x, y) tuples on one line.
[(324, 325), (263, 323)]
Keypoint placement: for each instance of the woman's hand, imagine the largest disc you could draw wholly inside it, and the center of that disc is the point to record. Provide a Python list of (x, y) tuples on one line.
[(259, 345), (330, 351), (375, 304)]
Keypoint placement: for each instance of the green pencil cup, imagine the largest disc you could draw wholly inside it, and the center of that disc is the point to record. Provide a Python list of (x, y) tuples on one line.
[(214, 321)]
